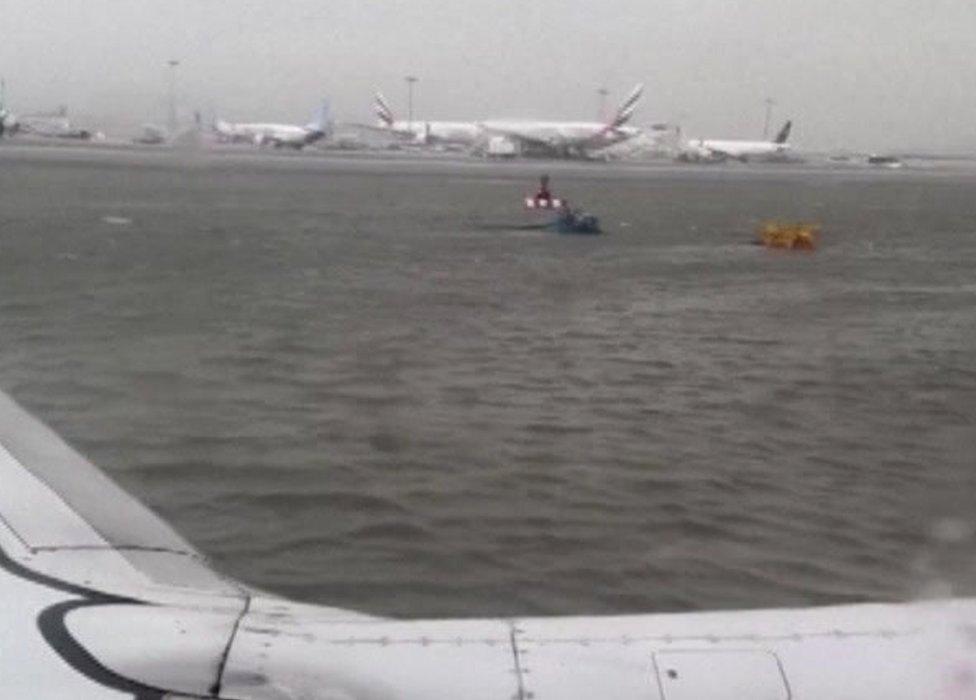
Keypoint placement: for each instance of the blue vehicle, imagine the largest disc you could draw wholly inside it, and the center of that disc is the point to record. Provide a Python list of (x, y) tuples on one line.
[(572, 221), (567, 220)]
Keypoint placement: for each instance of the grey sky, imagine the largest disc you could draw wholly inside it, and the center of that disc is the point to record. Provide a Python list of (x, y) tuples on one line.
[(853, 73)]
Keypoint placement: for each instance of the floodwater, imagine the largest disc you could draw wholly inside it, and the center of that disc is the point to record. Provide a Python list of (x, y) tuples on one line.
[(357, 382)]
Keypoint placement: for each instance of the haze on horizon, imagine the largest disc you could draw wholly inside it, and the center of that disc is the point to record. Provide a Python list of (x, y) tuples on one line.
[(853, 74)]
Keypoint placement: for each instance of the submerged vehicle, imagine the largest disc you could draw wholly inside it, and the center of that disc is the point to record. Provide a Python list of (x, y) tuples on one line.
[(573, 221), (567, 220)]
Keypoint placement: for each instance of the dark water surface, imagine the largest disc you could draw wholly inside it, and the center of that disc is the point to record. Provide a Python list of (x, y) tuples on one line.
[(348, 382)]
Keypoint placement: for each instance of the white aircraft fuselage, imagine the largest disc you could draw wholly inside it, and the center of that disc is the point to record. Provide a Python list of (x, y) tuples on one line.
[(717, 150), (425, 132), (566, 138), (52, 127), (721, 149), (268, 134), (588, 134), (277, 135), (436, 132)]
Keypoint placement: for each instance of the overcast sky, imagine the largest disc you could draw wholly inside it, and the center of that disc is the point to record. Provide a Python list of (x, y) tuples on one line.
[(862, 74)]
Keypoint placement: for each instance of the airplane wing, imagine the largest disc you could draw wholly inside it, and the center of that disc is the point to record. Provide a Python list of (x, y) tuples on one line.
[(71, 540), (59, 514), (80, 559)]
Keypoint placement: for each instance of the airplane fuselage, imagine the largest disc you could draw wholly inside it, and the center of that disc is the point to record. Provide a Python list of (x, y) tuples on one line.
[(438, 132), (268, 134), (737, 149), (511, 137), (593, 134), (52, 127), (717, 150)]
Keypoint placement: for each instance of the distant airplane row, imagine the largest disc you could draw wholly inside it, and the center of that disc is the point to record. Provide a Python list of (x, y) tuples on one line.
[(55, 125), (489, 138), (495, 137), (507, 138)]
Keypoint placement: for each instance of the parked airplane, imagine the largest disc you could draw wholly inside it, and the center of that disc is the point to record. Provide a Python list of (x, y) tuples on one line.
[(278, 135), (99, 598), (53, 125), (425, 132), (715, 150), (563, 138)]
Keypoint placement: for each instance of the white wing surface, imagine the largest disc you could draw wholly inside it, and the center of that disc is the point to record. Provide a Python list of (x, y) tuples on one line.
[(71, 543)]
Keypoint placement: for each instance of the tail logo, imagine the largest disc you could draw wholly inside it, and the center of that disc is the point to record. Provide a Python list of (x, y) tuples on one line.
[(383, 111), (784, 133), (627, 109)]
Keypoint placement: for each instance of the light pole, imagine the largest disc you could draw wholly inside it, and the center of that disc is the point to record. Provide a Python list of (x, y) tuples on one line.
[(769, 115), (172, 95), (603, 92), (411, 79)]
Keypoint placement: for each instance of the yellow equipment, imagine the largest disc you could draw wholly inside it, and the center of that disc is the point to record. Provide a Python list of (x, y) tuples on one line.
[(791, 236)]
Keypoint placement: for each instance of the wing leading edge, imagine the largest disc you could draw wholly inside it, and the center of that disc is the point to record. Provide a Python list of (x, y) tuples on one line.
[(74, 523)]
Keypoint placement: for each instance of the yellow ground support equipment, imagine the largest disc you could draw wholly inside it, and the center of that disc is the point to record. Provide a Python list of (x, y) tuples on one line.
[(791, 236)]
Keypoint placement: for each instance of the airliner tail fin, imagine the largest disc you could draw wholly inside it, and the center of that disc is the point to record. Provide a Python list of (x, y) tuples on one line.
[(383, 111), (784, 133), (627, 108), (322, 121)]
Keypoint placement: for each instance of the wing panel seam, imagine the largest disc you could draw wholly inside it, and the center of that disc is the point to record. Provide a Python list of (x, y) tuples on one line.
[(115, 548), (513, 632), (222, 665), (17, 536)]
